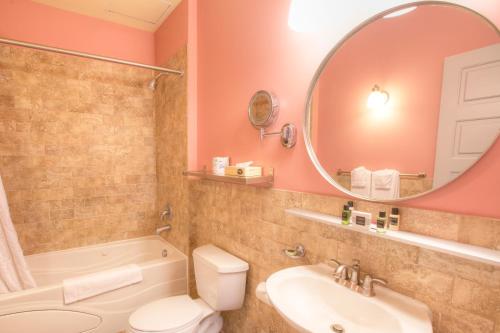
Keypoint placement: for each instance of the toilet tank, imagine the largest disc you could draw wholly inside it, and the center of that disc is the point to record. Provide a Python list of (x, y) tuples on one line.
[(220, 277)]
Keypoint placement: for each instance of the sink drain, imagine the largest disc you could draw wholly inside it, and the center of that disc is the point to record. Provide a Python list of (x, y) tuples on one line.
[(164, 253), (337, 328)]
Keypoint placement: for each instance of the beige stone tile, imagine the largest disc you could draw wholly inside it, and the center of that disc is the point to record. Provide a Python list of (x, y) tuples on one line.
[(274, 203), (60, 144), (371, 262), (322, 204), (431, 223), (436, 285), (458, 321), (479, 231), (497, 322), (470, 270), (474, 297)]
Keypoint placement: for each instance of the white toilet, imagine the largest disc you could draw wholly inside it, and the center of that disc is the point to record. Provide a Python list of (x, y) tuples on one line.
[(220, 281)]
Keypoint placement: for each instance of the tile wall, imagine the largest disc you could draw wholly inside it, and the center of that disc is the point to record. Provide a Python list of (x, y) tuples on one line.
[(250, 222), (171, 151), (77, 149)]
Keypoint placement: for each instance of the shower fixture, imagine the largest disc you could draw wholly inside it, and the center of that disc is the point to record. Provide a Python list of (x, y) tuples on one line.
[(152, 84)]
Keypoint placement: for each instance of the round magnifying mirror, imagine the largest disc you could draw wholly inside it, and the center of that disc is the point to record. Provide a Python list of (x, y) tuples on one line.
[(263, 109), (407, 102)]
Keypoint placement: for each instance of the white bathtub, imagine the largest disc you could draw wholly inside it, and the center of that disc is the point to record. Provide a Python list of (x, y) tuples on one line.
[(42, 310)]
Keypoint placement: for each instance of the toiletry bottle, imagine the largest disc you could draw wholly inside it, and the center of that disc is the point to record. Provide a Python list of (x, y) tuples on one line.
[(381, 222), (394, 219), (346, 215), (351, 209)]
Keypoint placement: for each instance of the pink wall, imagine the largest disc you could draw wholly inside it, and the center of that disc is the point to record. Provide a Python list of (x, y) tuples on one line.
[(244, 46), (192, 112), (172, 34), (404, 55), (179, 29), (32, 22)]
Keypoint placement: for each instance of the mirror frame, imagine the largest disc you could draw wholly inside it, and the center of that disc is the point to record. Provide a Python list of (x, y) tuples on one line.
[(319, 71)]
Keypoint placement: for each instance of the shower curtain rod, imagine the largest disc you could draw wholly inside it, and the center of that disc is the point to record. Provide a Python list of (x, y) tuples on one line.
[(88, 55)]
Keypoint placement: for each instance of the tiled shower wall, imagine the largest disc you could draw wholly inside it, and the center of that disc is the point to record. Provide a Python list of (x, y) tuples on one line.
[(77, 149), (251, 223), (171, 138)]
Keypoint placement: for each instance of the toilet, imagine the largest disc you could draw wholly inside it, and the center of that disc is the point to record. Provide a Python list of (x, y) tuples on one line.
[(220, 282)]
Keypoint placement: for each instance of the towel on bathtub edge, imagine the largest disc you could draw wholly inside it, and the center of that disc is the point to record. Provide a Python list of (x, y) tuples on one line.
[(85, 286)]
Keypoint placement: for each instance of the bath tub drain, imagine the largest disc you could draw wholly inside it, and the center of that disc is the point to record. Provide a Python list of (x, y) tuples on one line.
[(164, 253), (337, 328)]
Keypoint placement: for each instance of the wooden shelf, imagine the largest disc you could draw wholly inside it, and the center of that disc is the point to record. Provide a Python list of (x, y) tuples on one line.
[(466, 251), (264, 181)]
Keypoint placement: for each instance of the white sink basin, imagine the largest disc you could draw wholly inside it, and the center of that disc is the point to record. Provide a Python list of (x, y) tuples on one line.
[(311, 301)]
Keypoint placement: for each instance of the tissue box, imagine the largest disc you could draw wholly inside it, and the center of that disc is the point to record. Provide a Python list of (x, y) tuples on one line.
[(249, 171)]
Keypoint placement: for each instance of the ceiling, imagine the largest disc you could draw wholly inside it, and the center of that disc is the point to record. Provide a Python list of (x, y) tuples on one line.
[(141, 14)]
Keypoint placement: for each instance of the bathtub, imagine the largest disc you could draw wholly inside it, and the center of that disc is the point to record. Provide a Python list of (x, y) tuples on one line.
[(42, 310)]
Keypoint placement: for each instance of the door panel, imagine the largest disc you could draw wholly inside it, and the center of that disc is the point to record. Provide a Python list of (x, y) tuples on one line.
[(469, 119)]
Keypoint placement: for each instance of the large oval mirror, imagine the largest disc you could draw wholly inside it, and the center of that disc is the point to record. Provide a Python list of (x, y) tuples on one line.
[(406, 103)]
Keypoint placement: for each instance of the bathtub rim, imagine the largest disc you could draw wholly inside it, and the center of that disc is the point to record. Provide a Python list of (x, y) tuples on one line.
[(97, 245), (149, 263)]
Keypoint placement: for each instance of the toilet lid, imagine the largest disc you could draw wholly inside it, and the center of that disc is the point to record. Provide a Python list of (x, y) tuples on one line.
[(166, 315)]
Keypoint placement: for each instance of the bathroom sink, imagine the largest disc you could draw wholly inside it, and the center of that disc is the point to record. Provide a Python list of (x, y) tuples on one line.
[(311, 301)]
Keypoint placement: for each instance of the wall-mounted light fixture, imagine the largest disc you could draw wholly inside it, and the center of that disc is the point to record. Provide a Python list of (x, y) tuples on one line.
[(377, 98)]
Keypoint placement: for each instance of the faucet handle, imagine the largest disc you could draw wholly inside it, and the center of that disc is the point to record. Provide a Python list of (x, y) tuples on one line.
[(367, 289), (341, 273), (166, 213)]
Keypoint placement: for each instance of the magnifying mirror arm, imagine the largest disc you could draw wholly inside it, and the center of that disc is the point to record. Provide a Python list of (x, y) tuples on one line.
[(288, 135), (263, 133)]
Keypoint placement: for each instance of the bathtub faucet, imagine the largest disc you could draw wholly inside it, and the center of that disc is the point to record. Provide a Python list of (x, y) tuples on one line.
[(162, 229)]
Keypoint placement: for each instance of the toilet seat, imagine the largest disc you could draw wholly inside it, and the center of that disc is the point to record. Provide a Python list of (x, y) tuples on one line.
[(166, 315)]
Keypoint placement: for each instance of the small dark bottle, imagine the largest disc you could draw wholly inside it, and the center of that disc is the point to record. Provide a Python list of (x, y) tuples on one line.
[(394, 219), (346, 215), (381, 222)]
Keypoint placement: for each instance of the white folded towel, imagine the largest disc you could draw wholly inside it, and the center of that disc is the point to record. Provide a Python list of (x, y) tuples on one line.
[(361, 179), (385, 184), (85, 286)]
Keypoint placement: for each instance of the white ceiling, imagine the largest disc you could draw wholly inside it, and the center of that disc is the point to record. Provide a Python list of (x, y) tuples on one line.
[(141, 14)]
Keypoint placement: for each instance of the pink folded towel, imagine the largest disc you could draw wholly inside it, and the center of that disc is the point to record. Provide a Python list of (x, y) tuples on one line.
[(85, 286)]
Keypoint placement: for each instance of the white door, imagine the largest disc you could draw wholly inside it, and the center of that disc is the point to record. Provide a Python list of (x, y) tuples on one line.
[(469, 119)]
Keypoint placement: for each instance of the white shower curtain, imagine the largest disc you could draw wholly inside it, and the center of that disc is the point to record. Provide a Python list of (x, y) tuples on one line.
[(14, 272)]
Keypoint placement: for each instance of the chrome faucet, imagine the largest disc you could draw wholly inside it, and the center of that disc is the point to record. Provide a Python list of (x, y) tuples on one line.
[(355, 273), (341, 274), (162, 229), (348, 276), (166, 214)]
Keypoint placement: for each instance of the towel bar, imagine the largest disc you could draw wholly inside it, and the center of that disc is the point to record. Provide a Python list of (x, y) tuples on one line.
[(341, 172)]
